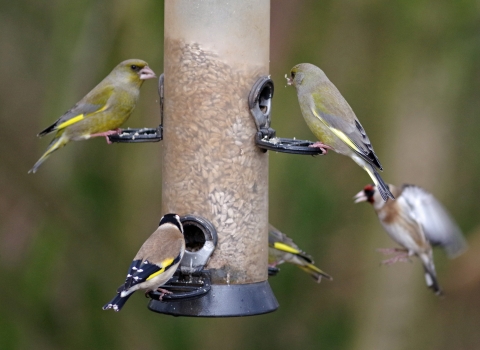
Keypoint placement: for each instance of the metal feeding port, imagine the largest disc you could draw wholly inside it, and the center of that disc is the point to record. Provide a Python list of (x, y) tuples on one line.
[(192, 291), (143, 134), (260, 103), (191, 280)]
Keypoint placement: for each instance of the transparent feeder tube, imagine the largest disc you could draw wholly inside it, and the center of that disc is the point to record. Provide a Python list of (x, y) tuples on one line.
[(214, 52)]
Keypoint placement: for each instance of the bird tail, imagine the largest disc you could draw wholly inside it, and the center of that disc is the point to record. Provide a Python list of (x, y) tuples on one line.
[(47, 130), (315, 272), (117, 302), (379, 183), (58, 142), (430, 274)]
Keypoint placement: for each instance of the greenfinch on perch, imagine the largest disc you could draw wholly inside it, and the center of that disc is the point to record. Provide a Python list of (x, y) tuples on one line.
[(103, 110), (333, 122)]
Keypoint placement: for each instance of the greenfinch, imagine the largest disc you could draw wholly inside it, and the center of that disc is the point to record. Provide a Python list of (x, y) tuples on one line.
[(155, 263), (333, 122), (416, 221), (103, 110), (281, 248)]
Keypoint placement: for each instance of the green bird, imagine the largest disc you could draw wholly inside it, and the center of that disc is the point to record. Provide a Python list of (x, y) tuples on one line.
[(103, 110), (281, 248), (333, 122)]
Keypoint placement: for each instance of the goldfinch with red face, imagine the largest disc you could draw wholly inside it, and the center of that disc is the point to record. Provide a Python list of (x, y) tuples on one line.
[(416, 221), (155, 263), (332, 121), (103, 110), (282, 249)]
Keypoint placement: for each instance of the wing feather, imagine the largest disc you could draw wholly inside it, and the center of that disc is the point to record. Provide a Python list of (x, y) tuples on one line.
[(341, 120), (97, 102), (438, 225)]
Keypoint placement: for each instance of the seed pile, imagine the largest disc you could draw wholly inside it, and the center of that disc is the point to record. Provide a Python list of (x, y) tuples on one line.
[(211, 166)]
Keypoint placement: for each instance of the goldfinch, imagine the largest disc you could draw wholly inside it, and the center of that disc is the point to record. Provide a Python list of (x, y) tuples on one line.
[(282, 249), (103, 110), (416, 221), (332, 121), (155, 263)]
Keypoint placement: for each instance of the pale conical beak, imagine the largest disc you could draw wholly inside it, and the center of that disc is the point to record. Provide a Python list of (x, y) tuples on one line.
[(289, 81), (146, 73), (360, 197)]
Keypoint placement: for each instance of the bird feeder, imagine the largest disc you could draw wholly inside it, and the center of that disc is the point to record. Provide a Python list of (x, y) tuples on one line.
[(213, 174)]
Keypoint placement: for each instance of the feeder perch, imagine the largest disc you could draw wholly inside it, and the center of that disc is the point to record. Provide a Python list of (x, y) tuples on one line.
[(143, 134), (260, 102)]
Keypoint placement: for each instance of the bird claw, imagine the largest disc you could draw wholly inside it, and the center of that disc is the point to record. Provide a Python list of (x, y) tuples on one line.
[(323, 147), (163, 292), (389, 251), (106, 134), (403, 255), (395, 259)]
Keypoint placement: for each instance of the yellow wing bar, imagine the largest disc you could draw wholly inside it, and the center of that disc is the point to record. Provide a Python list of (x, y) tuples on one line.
[(165, 264), (285, 248)]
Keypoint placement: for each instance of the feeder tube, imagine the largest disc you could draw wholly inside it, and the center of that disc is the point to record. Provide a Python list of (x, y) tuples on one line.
[(215, 50)]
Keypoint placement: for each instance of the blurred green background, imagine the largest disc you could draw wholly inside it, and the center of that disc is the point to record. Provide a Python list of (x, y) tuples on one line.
[(409, 69)]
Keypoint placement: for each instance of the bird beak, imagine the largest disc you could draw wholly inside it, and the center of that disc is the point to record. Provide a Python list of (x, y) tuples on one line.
[(289, 81), (360, 197), (146, 73)]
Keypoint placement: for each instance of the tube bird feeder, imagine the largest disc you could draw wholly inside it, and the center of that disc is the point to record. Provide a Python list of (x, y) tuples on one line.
[(213, 174)]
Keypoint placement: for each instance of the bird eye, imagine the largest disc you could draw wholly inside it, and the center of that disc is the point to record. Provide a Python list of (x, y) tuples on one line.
[(134, 67), (293, 75)]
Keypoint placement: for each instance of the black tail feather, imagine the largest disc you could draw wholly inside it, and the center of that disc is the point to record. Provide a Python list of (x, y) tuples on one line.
[(432, 282), (116, 303), (382, 186), (47, 130)]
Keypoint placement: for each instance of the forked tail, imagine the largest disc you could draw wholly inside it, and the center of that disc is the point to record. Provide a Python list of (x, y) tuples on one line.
[(58, 142), (315, 272), (117, 302), (430, 274), (377, 179)]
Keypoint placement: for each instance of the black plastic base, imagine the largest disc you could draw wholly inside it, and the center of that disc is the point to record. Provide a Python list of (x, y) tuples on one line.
[(222, 301)]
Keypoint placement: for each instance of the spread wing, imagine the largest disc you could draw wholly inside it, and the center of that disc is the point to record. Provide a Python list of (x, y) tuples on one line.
[(334, 112), (438, 225), (95, 101)]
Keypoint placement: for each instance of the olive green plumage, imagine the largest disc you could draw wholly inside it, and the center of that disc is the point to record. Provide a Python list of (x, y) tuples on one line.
[(103, 110), (333, 122), (281, 248)]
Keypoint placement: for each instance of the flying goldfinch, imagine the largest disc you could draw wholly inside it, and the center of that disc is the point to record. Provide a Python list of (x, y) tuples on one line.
[(333, 122), (155, 263), (282, 249), (416, 221), (103, 110)]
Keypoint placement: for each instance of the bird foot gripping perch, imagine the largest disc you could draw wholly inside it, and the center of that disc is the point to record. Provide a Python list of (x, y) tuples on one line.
[(106, 134), (142, 134), (259, 103)]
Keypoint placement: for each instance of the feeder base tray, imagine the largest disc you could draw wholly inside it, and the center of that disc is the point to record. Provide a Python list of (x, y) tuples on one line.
[(232, 300)]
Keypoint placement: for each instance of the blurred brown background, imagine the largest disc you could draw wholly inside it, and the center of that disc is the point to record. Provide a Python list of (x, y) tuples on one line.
[(409, 69)]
